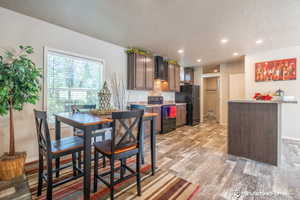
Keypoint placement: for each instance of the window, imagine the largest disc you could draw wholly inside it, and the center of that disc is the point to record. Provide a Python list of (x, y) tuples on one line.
[(71, 80)]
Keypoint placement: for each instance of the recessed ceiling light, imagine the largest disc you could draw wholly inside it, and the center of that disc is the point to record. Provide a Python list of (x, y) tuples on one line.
[(259, 41), (199, 60), (235, 54), (180, 51), (224, 40)]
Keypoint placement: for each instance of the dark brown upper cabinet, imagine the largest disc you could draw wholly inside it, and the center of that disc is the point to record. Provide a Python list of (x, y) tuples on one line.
[(173, 77), (140, 74), (189, 75), (149, 72), (177, 78)]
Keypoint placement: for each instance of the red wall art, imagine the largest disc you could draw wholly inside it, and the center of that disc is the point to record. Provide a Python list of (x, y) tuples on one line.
[(277, 70)]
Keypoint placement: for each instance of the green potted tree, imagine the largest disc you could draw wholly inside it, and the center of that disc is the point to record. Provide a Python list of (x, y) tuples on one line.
[(19, 85)]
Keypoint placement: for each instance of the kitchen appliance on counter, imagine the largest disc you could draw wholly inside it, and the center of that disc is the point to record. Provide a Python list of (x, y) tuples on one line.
[(155, 99), (168, 118), (190, 94)]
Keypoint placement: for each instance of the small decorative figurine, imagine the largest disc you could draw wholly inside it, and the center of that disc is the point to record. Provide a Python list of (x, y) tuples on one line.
[(105, 107), (104, 98), (279, 93)]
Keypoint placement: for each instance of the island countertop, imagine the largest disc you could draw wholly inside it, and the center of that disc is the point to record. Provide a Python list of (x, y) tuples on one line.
[(261, 101)]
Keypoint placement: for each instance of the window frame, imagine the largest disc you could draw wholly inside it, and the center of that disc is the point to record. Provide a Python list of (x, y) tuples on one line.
[(45, 70)]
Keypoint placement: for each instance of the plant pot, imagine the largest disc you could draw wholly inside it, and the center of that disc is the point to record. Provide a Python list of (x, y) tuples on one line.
[(12, 166)]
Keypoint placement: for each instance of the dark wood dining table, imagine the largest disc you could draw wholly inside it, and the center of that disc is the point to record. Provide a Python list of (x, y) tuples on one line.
[(88, 123)]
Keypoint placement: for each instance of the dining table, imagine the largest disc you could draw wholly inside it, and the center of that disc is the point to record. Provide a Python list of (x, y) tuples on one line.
[(88, 123)]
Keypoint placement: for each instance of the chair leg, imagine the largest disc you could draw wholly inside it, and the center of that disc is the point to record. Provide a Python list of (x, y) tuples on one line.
[(79, 160), (103, 161), (112, 176), (50, 179), (96, 161), (41, 169), (138, 174), (74, 164), (122, 170), (57, 165)]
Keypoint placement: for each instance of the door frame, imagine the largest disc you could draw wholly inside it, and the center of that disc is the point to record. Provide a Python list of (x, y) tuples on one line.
[(204, 76)]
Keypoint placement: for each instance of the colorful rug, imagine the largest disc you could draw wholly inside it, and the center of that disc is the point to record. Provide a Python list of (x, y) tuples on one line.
[(162, 186)]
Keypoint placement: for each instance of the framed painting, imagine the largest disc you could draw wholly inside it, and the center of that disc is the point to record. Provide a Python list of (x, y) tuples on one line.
[(276, 70)]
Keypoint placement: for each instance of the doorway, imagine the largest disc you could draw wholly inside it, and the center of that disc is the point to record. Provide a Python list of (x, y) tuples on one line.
[(211, 99)]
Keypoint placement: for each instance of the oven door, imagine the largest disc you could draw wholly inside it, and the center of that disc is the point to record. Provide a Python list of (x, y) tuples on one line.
[(169, 112), (168, 118)]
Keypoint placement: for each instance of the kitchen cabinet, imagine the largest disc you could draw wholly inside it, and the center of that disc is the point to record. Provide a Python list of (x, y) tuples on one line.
[(177, 78), (140, 74), (158, 118), (189, 75), (180, 115), (149, 66), (173, 77)]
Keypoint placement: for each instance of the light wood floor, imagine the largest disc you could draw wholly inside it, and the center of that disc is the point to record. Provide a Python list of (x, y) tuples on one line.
[(198, 154)]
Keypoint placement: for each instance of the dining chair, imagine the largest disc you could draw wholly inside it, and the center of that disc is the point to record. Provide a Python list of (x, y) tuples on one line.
[(51, 150), (125, 142)]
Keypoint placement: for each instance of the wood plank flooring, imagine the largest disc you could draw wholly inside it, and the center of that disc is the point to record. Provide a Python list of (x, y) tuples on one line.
[(198, 154)]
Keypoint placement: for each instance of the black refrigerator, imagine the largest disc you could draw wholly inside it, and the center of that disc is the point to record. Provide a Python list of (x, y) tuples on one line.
[(190, 94)]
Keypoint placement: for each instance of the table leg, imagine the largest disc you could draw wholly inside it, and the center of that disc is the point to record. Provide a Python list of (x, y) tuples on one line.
[(153, 145), (57, 137), (87, 163), (142, 144)]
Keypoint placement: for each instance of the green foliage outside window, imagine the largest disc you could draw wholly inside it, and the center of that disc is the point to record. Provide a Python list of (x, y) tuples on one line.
[(71, 80)]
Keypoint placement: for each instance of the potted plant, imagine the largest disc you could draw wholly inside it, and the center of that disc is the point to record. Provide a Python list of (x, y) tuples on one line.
[(19, 83)]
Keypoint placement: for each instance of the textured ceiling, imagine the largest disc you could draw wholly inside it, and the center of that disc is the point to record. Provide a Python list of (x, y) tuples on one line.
[(164, 26)]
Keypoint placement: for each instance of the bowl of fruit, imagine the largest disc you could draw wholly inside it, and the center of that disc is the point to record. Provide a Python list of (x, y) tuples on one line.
[(262, 97)]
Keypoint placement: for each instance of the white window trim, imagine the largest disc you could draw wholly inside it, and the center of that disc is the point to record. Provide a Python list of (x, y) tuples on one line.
[(45, 69)]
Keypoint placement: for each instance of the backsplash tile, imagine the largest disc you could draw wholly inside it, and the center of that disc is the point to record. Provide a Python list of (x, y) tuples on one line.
[(142, 96)]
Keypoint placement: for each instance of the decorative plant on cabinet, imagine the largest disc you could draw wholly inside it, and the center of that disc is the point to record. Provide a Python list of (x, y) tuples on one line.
[(19, 83)]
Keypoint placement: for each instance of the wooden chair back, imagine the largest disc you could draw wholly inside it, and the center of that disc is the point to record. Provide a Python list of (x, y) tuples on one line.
[(126, 129), (79, 108), (42, 129)]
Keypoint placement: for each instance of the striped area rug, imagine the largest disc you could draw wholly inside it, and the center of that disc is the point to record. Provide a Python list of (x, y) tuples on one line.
[(162, 186)]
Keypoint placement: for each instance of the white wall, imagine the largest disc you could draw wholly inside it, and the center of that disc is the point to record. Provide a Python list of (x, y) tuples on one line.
[(17, 29), (225, 71), (291, 112)]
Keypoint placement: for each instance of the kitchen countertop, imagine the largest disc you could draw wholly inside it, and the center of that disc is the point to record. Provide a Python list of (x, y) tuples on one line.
[(156, 105), (260, 101)]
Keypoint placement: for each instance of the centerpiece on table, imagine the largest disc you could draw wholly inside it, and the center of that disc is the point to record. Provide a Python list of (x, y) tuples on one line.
[(19, 83), (119, 97), (105, 107)]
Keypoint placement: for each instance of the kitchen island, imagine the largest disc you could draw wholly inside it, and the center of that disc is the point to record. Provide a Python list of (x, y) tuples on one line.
[(254, 130)]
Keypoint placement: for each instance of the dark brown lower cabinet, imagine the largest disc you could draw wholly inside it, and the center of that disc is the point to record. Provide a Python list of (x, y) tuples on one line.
[(180, 115), (253, 130), (158, 118)]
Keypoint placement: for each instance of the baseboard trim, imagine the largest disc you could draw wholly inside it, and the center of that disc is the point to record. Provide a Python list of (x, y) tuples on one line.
[(291, 138)]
